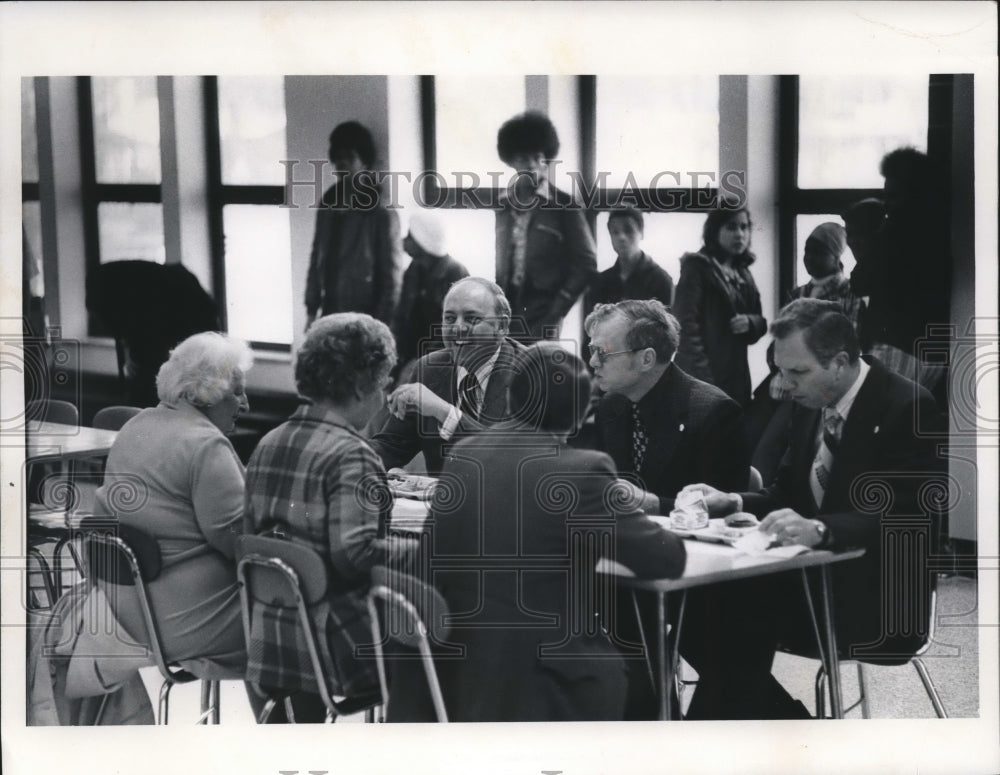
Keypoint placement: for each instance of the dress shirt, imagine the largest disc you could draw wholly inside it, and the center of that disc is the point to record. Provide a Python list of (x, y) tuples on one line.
[(483, 373)]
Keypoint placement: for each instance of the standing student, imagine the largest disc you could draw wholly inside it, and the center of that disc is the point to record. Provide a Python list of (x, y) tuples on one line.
[(634, 275), (545, 253), (718, 305), (356, 259)]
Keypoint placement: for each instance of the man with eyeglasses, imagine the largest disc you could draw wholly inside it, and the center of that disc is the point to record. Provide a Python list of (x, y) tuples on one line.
[(456, 391), (663, 428)]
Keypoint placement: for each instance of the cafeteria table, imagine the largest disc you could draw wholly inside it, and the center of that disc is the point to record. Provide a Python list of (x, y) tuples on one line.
[(715, 563), (707, 563), (55, 442)]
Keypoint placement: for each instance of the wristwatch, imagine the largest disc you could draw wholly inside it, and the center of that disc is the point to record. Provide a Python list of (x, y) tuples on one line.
[(824, 533)]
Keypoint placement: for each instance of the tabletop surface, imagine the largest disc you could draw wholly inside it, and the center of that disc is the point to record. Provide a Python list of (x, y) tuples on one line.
[(707, 563), (55, 441)]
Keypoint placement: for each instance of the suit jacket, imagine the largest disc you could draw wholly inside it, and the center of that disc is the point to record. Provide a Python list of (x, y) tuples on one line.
[(695, 434), (399, 441), (559, 261), (518, 574), (881, 494)]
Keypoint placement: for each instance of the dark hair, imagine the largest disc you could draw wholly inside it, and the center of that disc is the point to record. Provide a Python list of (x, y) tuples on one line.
[(344, 353), (713, 225), (528, 133), (651, 325), (826, 330), (908, 165), (865, 216), (550, 389), (628, 213), (352, 136)]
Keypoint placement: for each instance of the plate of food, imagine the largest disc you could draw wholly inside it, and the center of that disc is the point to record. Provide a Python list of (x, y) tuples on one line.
[(726, 530), (407, 485)]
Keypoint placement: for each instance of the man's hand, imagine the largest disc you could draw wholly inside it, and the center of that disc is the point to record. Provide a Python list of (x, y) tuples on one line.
[(418, 398), (719, 503), (790, 527), (638, 498)]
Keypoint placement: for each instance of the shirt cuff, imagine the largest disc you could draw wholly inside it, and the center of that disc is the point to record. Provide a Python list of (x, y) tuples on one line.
[(450, 424), (739, 501)]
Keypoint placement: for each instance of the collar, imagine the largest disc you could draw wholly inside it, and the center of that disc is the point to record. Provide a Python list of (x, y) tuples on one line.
[(843, 406), (483, 372), (543, 192), (322, 414)]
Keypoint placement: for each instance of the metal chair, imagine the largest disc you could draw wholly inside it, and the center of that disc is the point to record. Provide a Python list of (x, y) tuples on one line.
[(65, 413), (112, 418), (127, 556), (915, 660), (409, 604), (284, 574)]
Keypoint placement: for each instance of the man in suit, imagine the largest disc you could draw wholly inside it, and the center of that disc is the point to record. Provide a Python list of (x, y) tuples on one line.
[(861, 471), (663, 428), (545, 252), (458, 390), (515, 558)]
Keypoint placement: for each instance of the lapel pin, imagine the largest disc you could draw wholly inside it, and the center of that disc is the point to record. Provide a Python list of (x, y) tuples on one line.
[(681, 428), (876, 429)]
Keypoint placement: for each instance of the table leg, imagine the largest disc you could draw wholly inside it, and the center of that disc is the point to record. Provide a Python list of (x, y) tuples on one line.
[(833, 662), (666, 678)]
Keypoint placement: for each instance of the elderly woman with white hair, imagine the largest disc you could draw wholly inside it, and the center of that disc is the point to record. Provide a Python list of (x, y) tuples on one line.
[(173, 473)]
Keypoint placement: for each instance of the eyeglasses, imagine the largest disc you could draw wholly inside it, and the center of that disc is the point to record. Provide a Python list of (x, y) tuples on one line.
[(602, 355)]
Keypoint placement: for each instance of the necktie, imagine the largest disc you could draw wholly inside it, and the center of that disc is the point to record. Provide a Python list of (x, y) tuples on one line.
[(468, 395), (819, 476), (519, 240), (639, 439)]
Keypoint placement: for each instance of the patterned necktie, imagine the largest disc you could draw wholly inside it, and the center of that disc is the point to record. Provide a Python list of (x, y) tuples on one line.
[(819, 476), (639, 439), (468, 395)]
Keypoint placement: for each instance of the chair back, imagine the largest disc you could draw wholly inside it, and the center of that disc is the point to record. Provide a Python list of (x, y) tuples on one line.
[(52, 410), (112, 418), (280, 581), (413, 610), (129, 556)]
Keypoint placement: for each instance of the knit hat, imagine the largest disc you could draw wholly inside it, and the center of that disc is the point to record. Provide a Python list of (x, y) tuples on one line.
[(428, 232), (831, 236)]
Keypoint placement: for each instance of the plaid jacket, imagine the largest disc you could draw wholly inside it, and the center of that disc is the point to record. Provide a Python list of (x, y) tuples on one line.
[(318, 482)]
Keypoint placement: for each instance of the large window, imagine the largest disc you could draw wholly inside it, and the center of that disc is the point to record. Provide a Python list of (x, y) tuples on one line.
[(120, 123), (31, 215), (835, 131), (251, 241)]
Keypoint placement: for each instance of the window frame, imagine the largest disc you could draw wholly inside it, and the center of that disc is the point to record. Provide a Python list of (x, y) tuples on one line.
[(218, 195), (797, 201)]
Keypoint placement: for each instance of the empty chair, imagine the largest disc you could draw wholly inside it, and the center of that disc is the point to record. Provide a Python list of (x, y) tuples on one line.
[(129, 557), (52, 410), (112, 418), (284, 592), (412, 610)]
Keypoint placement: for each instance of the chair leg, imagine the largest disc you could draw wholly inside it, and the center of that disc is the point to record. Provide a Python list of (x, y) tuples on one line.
[(46, 572), (267, 710), (865, 708), (209, 703), (821, 692), (161, 715), (932, 693)]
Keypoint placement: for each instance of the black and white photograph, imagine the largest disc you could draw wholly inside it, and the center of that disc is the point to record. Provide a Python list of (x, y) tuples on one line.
[(615, 380)]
